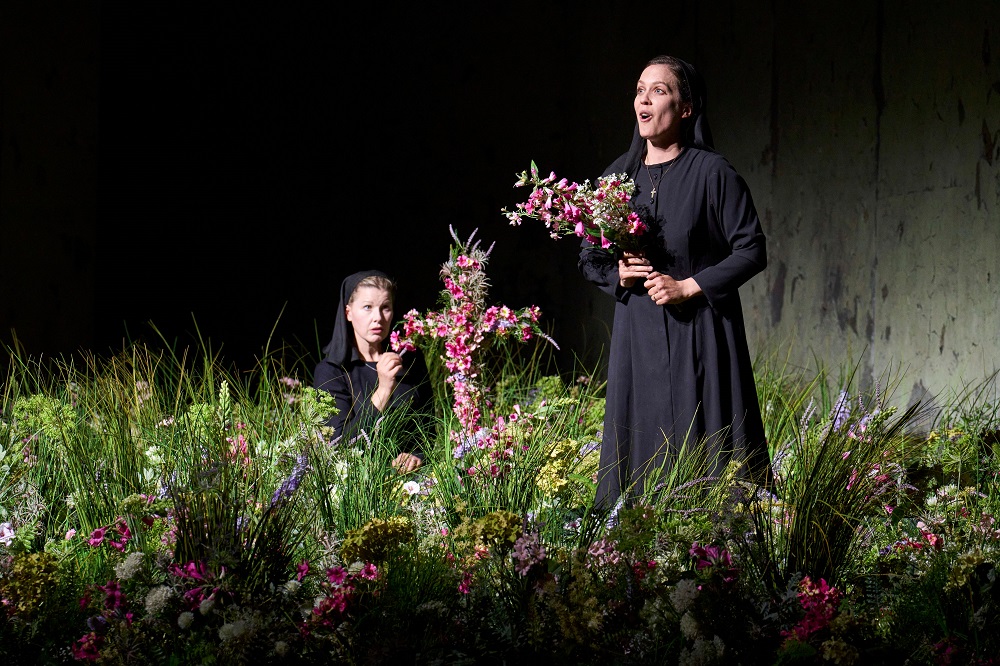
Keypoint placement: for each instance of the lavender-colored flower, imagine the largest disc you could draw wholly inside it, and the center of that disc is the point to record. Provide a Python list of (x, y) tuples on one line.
[(588, 448), (291, 484), (841, 411)]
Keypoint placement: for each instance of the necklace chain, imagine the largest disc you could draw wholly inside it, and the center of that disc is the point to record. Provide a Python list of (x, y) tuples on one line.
[(652, 192)]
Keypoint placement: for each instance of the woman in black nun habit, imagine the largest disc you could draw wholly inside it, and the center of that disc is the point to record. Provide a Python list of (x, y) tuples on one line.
[(679, 367), (366, 379)]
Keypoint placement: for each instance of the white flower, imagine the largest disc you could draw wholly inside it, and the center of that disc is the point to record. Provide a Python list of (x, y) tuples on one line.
[(228, 632), (689, 626), (411, 487), (153, 455), (185, 619), (703, 653), (206, 605), (6, 534), (130, 567), (292, 586), (683, 595), (157, 598), (281, 648)]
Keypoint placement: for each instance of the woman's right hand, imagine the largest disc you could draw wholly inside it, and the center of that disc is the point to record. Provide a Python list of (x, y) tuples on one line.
[(388, 366), (631, 267)]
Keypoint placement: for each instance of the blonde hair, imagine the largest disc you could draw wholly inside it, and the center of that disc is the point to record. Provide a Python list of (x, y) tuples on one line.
[(377, 281)]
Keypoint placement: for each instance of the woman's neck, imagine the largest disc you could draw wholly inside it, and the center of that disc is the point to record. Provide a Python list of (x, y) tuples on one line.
[(368, 352), (659, 154)]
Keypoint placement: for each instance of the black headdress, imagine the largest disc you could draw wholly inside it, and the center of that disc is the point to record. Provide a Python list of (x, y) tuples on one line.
[(342, 344), (695, 132)]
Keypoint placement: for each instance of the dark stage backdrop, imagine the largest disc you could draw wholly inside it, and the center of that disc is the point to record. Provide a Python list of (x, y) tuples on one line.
[(219, 169), (251, 157)]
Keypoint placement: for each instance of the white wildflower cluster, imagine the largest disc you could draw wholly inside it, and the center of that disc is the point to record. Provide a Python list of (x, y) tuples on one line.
[(703, 652), (233, 630), (206, 606), (689, 626), (185, 619), (130, 567), (683, 595), (157, 599)]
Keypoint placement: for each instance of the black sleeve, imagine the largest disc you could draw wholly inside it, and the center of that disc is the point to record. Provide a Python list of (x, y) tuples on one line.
[(353, 398)]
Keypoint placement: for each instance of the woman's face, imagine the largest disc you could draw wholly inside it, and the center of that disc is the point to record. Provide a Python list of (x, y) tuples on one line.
[(370, 313), (658, 105)]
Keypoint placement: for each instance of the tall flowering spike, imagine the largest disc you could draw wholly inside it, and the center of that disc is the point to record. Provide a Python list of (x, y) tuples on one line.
[(467, 328)]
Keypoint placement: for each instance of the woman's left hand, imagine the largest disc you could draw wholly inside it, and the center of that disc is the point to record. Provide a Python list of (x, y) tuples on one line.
[(406, 462), (664, 290)]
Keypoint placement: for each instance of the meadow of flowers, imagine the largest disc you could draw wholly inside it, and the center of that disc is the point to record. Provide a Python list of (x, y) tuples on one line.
[(159, 506)]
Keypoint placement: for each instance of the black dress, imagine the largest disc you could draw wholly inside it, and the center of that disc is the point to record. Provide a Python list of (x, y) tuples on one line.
[(352, 385), (682, 371)]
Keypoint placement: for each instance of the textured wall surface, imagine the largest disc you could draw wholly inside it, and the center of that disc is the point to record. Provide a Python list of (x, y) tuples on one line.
[(869, 140)]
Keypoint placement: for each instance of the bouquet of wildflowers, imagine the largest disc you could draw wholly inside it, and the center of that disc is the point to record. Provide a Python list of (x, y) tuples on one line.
[(599, 214)]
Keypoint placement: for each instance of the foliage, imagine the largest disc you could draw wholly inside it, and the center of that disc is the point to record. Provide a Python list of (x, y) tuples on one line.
[(158, 507)]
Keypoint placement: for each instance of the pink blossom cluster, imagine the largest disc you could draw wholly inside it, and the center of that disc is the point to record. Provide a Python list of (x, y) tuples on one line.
[(493, 451), (528, 551), (602, 553), (88, 647), (465, 328), (340, 588), (465, 585), (201, 577), (116, 535), (642, 569), (713, 559), (927, 539), (820, 602), (238, 450), (601, 215)]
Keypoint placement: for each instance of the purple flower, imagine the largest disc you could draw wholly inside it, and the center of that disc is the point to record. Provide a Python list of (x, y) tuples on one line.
[(841, 411), (291, 484)]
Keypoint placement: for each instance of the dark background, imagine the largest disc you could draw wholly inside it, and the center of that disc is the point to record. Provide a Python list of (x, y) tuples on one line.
[(250, 157)]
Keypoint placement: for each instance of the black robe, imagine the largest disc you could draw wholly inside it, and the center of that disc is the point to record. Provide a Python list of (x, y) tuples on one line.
[(352, 386), (682, 371)]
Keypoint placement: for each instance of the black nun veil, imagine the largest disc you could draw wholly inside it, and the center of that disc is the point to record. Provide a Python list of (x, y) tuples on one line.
[(341, 345), (695, 131)]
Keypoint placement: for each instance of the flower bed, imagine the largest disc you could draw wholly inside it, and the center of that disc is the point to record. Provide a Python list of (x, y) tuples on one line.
[(159, 508)]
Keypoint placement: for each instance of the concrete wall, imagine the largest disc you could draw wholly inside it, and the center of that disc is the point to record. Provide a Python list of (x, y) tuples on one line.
[(868, 136)]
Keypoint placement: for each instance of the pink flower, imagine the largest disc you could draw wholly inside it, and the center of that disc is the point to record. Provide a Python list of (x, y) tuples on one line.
[(97, 536), (301, 570), (465, 587), (88, 648), (369, 571), (853, 479), (336, 575), (70, 534), (114, 598)]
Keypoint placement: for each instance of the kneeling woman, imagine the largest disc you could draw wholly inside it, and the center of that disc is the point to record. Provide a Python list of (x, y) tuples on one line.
[(366, 379)]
